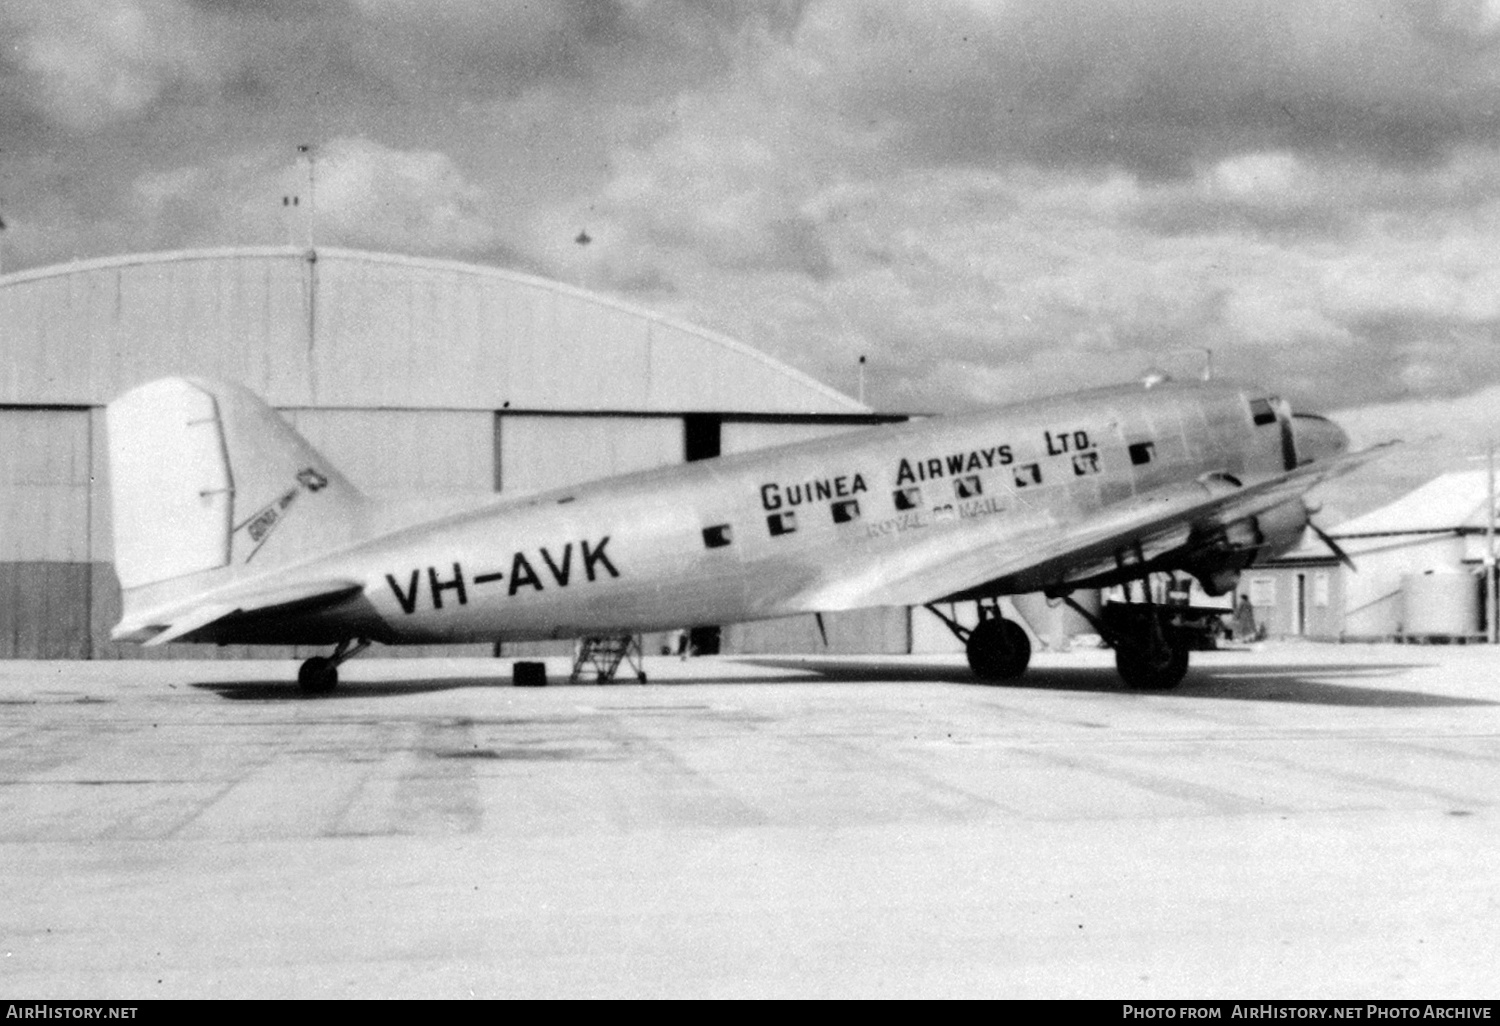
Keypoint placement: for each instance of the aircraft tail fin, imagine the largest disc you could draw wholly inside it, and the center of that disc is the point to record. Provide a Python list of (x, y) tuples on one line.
[(210, 485)]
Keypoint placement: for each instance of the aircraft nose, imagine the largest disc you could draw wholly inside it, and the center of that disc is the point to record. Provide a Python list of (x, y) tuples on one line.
[(1318, 438)]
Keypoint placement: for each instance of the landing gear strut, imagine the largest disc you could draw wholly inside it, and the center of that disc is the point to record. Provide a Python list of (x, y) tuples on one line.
[(998, 649), (1151, 653), (320, 674)]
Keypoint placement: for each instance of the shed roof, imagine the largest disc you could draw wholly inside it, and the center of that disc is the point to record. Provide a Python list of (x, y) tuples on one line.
[(1452, 502)]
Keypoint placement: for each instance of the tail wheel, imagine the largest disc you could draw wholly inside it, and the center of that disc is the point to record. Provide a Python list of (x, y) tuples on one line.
[(1152, 667), (318, 676), (998, 649)]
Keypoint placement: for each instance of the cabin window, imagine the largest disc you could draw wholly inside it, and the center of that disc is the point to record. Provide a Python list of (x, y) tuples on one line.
[(968, 486), (1085, 463), (781, 523), (1262, 412), (717, 536), (1028, 474), (907, 498), (1142, 453), (846, 511)]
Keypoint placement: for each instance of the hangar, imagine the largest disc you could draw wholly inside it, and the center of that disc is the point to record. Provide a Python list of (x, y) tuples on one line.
[(412, 375)]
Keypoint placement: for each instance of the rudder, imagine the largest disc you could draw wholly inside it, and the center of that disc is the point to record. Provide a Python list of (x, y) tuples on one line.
[(206, 478)]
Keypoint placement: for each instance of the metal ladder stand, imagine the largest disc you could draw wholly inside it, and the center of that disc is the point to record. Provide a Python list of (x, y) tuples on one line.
[(605, 654)]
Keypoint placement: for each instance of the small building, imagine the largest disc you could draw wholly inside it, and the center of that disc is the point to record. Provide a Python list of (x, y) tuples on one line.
[(1420, 571)]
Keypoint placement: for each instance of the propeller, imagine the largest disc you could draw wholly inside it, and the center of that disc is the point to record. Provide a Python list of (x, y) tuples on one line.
[(1327, 539)]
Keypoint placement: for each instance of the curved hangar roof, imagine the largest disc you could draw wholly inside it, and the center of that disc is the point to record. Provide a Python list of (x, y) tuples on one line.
[(342, 328)]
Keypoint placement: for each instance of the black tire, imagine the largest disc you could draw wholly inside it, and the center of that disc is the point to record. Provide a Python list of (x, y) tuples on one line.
[(1150, 667), (317, 676), (998, 649)]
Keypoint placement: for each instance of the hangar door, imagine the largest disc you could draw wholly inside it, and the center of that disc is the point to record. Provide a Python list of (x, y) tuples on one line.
[(861, 631), (537, 451), (45, 578), (747, 435), (404, 453)]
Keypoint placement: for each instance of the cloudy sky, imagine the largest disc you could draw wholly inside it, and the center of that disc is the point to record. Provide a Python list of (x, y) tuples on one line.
[(990, 200)]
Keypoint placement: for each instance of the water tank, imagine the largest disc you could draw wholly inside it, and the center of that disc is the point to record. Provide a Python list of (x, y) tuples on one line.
[(1440, 604)]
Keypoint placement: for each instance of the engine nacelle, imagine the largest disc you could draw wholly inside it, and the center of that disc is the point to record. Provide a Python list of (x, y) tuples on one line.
[(1280, 528), (1219, 560)]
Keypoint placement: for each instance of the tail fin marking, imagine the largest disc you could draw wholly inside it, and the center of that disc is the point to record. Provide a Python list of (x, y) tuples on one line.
[(211, 486)]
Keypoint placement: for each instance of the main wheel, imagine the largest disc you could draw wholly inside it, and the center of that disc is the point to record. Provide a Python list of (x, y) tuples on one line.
[(1152, 667), (317, 676), (998, 649)]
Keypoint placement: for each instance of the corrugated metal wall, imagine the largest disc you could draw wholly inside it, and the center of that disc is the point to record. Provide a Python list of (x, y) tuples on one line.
[(81, 335), (45, 464), (860, 632), (746, 435), (343, 328), (433, 453), (45, 609), (45, 575), (539, 451)]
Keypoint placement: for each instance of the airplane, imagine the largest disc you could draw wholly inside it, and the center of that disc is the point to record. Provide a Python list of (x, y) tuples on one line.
[(230, 528)]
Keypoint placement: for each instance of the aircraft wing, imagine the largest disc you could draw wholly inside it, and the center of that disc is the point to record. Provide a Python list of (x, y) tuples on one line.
[(160, 627), (1019, 556)]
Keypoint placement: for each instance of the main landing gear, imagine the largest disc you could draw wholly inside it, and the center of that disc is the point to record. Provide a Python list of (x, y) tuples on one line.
[(998, 649), (1151, 646), (1149, 654), (1151, 649), (320, 674)]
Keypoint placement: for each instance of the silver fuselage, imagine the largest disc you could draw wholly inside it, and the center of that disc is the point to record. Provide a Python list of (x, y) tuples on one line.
[(751, 536)]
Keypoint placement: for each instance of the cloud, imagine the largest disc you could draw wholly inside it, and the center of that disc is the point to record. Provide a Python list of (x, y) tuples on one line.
[(364, 195), (988, 200), (384, 198), (1436, 436), (94, 61), (1158, 86), (471, 49), (89, 64), (1342, 281), (1343, 276)]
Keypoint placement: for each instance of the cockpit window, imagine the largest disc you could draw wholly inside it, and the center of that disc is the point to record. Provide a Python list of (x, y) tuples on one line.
[(1262, 412)]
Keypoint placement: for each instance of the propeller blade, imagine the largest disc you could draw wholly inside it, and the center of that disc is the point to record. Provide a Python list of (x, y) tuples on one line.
[(1326, 539)]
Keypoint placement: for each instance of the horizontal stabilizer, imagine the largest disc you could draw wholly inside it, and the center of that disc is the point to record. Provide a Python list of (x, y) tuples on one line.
[(304, 598)]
